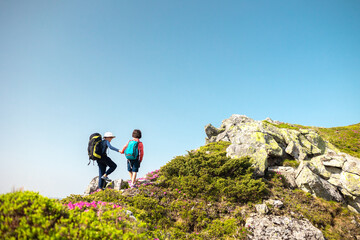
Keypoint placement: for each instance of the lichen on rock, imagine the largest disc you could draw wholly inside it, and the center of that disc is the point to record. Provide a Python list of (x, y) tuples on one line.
[(281, 227), (323, 171)]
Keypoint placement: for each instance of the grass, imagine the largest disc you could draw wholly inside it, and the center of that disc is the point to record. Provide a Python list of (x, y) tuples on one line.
[(284, 125), (291, 163), (346, 139)]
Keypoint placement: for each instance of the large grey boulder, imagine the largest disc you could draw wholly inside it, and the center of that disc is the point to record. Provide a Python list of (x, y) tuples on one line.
[(314, 184), (323, 171), (281, 227), (352, 165), (93, 185)]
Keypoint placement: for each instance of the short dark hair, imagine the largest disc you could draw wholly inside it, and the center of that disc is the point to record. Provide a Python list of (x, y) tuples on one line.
[(136, 133)]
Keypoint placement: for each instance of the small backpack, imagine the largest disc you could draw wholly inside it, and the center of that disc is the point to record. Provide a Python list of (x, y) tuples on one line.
[(94, 150), (132, 150)]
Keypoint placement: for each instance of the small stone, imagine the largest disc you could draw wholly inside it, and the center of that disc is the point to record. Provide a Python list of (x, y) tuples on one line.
[(262, 208), (130, 214), (118, 184), (275, 203)]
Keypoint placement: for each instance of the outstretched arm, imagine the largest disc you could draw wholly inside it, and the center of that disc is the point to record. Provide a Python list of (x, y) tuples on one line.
[(111, 147), (123, 150)]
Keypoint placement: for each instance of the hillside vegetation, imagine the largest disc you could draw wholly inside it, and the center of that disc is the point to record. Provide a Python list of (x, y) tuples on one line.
[(201, 195), (346, 139)]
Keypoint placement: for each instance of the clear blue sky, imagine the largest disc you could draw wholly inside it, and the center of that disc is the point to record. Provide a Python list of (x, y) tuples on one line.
[(71, 68)]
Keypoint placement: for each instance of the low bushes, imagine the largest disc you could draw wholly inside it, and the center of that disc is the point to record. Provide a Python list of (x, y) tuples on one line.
[(28, 215), (209, 174)]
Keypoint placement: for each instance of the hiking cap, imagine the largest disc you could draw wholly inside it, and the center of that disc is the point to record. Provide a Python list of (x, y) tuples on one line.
[(109, 135)]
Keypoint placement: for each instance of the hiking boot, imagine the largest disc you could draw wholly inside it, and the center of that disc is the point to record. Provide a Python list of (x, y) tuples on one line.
[(106, 179)]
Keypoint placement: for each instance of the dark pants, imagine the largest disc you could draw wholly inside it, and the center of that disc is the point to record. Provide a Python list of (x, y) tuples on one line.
[(133, 165), (103, 163)]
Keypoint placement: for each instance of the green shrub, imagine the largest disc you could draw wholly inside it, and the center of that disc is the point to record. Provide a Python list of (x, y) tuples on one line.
[(108, 195), (209, 174), (28, 215), (219, 229), (215, 147)]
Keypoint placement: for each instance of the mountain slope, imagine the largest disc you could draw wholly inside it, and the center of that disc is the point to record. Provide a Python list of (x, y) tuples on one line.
[(202, 195), (196, 196), (346, 139)]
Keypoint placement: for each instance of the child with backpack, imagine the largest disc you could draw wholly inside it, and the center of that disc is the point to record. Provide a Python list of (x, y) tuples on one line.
[(134, 152), (105, 161)]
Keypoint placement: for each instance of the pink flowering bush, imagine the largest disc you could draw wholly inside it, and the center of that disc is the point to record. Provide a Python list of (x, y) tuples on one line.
[(149, 179), (86, 205), (28, 215)]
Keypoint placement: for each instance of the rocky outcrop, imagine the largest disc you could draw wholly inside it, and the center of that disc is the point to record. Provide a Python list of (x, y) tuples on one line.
[(264, 142), (281, 227), (93, 185), (323, 171)]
